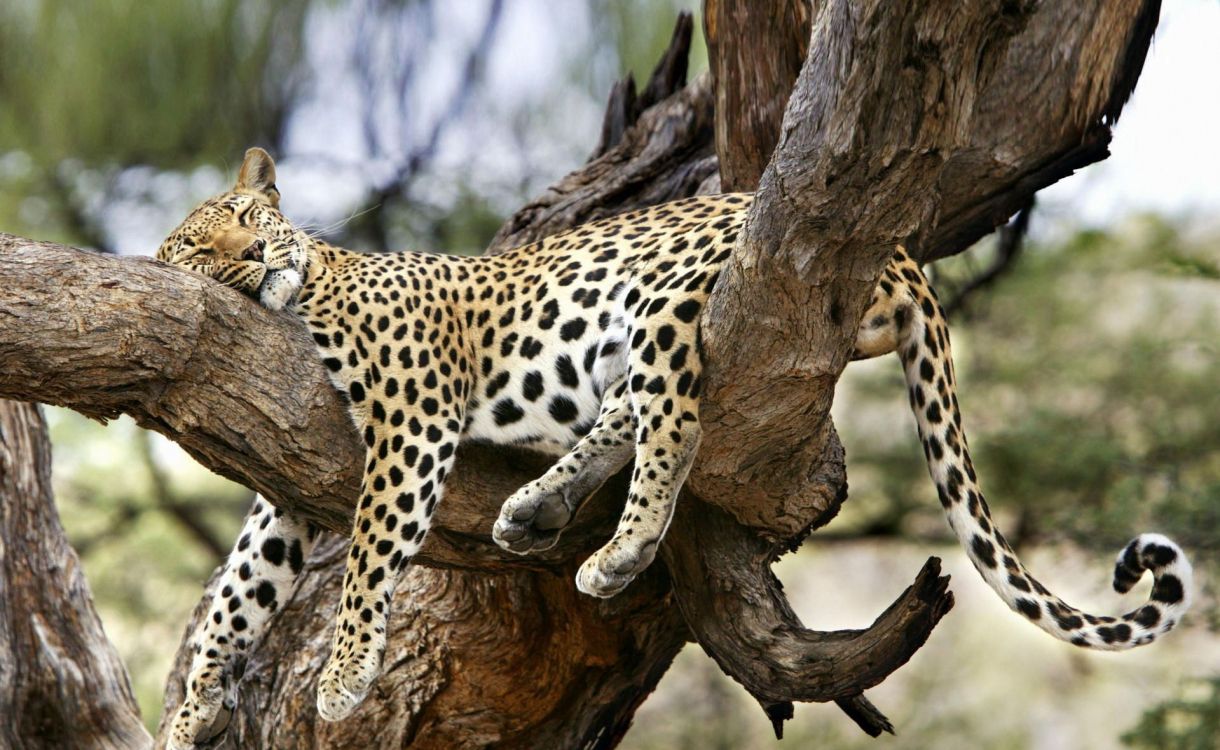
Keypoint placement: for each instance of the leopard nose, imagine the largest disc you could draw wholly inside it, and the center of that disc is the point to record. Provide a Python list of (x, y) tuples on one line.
[(255, 251)]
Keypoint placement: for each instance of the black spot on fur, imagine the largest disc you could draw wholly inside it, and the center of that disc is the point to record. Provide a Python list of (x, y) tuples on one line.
[(506, 412), (530, 347), (567, 371), (665, 337), (686, 311), (1168, 590), (573, 329), (563, 410), (273, 550), (1159, 555), (1147, 616), (265, 594), (983, 550), (1030, 608), (531, 386)]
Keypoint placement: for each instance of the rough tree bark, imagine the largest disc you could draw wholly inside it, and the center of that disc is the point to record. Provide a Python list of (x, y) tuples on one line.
[(899, 129), (755, 59), (61, 683)]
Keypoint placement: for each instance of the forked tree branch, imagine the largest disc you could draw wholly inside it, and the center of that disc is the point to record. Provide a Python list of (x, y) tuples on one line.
[(890, 136)]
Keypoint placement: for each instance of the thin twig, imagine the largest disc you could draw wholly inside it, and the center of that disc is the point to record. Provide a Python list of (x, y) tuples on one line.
[(1012, 242)]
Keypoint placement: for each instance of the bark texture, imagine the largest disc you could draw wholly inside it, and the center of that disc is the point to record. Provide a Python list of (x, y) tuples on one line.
[(61, 682), (755, 59), (890, 135)]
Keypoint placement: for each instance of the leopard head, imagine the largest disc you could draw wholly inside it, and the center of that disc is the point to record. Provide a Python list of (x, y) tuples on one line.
[(241, 239)]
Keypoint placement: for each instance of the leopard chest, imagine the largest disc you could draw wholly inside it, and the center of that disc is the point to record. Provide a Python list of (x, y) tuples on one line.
[(390, 364)]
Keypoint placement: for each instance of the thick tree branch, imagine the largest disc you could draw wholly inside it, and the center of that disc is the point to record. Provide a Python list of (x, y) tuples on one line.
[(890, 136), (755, 59), (742, 619), (61, 683), (1046, 113), (511, 659), (239, 387)]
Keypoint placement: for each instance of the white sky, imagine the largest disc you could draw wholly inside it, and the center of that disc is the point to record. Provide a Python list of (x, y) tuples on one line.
[(1165, 156)]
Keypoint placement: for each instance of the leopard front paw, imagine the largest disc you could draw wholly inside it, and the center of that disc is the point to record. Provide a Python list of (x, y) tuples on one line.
[(345, 683), (206, 711), (531, 519), (612, 567)]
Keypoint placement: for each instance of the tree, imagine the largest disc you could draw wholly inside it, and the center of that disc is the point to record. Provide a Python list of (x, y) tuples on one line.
[(900, 127), (61, 683)]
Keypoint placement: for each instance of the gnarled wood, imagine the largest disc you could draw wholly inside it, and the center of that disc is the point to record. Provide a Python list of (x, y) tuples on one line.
[(754, 58), (890, 136), (514, 659), (742, 619), (62, 685)]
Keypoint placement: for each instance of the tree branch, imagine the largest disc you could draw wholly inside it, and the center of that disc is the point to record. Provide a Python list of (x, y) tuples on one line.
[(1008, 249), (61, 682), (107, 329), (900, 129), (737, 611), (755, 59)]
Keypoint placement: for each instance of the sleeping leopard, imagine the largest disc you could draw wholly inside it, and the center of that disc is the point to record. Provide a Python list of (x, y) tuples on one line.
[(584, 345)]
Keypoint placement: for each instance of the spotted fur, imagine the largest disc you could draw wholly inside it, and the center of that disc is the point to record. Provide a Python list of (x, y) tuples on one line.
[(584, 345)]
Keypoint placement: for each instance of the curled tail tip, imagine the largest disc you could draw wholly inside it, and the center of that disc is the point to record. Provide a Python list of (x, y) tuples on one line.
[(1172, 578), (1169, 601), (1159, 555)]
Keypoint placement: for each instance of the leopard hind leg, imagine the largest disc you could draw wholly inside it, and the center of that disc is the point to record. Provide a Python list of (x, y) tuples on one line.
[(664, 369), (533, 517), (257, 578)]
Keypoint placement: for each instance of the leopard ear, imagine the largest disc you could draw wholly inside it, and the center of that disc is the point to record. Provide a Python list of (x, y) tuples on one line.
[(257, 176)]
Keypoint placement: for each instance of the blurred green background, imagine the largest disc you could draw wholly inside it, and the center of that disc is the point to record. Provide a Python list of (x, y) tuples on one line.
[(1088, 369)]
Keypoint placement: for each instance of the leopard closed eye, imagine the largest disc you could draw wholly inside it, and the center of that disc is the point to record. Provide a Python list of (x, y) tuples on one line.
[(584, 345)]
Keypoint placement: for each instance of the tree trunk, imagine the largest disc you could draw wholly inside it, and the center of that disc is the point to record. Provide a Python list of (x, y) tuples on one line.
[(900, 128), (62, 685), (755, 58)]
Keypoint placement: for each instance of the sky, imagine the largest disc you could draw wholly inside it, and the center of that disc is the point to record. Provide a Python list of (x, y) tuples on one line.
[(516, 131), (1165, 156)]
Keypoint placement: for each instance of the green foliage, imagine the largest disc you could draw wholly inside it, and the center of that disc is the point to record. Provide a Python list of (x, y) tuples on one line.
[(1183, 724), (1087, 381), (640, 29), (88, 89), (131, 82)]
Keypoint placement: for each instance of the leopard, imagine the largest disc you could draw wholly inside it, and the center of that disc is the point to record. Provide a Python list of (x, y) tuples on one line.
[(584, 346)]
